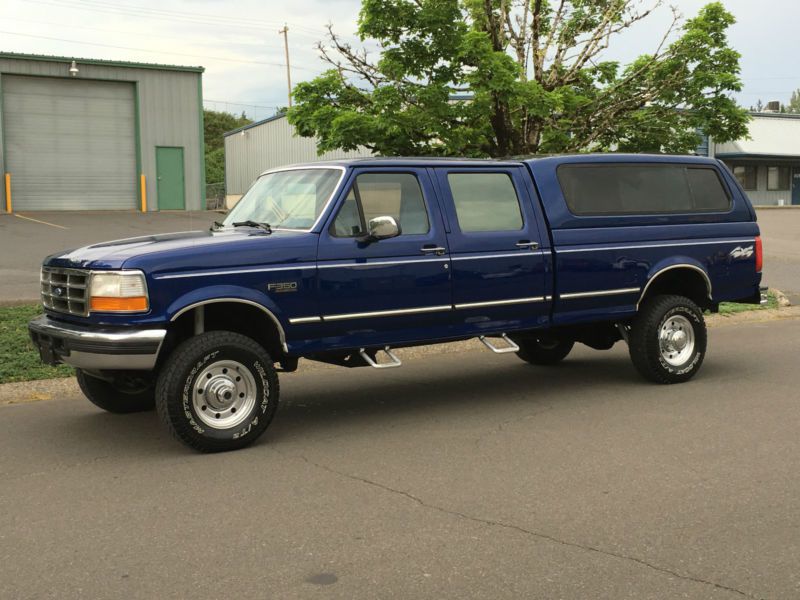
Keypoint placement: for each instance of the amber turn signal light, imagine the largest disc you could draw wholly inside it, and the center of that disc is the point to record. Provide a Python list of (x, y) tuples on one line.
[(106, 304)]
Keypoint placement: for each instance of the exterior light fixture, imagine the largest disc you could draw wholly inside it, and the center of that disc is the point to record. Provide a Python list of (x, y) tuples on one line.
[(73, 69)]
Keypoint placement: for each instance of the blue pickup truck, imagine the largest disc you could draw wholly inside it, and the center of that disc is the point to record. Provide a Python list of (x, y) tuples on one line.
[(341, 262)]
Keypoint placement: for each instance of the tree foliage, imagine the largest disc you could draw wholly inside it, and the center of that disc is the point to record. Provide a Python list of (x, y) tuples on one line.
[(794, 102), (215, 124), (511, 77)]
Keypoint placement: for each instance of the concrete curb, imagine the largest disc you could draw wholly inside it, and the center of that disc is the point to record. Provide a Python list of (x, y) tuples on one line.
[(24, 392)]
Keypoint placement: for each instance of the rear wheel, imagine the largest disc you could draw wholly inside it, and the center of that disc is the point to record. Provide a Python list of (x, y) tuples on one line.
[(217, 391), (125, 395), (668, 339), (544, 350)]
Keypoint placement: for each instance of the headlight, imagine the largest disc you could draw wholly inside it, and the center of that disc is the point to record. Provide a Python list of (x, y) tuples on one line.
[(118, 291)]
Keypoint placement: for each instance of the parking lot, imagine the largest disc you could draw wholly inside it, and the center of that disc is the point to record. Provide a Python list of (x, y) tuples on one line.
[(462, 475), (465, 475)]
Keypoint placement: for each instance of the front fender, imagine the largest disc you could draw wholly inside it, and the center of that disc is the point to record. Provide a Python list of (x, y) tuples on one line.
[(222, 293), (229, 293)]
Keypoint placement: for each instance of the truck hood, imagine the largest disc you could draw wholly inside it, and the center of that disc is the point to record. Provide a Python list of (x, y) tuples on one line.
[(189, 250)]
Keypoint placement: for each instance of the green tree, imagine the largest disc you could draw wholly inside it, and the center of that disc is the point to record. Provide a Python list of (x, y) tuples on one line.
[(215, 124), (794, 102), (509, 77)]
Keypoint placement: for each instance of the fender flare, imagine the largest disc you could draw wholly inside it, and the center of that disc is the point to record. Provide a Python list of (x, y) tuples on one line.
[(682, 265), (187, 303)]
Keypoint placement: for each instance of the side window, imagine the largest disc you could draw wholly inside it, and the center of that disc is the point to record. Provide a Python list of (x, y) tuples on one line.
[(707, 190), (485, 202), (397, 195), (641, 189)]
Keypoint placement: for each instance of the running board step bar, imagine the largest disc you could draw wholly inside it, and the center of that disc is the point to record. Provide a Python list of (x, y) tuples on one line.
[(394, 360), (510, 347)]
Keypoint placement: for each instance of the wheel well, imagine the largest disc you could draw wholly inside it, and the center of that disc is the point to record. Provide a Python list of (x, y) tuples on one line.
[(683, 281), (238, 317)]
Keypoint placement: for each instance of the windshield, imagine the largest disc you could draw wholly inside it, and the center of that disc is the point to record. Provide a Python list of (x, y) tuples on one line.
[(290, 199)]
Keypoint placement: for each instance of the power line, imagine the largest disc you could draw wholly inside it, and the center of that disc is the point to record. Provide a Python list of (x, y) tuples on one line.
[(169, 52), (125, 32), (239, 104), (150, 13)]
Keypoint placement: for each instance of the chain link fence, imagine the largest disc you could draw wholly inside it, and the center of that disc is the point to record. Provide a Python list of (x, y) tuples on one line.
[(215, 196)]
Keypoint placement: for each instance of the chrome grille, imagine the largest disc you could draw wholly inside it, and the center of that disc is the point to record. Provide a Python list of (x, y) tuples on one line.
[(65, 290)]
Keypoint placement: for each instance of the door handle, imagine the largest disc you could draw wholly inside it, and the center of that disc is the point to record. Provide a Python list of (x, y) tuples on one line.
[(433, 249), (527, 244)]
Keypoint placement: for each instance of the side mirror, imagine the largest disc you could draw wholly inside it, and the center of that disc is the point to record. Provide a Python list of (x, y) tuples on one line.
[(382, 228)]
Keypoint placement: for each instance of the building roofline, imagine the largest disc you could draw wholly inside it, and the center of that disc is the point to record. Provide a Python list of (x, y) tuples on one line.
[(771, 115), (755, 156), (254, 124), (96, 61)]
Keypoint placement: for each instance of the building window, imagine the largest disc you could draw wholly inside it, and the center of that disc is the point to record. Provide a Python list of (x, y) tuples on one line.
[(746, 175), (777, 178)]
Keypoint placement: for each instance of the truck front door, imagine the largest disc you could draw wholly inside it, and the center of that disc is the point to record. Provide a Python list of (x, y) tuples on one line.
[(393, 290)]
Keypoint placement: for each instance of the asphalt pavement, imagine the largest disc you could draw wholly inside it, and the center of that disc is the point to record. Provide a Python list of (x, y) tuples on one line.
[(780, 232), (465, 475)]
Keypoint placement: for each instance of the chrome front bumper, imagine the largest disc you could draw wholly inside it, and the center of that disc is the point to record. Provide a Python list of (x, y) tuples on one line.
[(95, 348)]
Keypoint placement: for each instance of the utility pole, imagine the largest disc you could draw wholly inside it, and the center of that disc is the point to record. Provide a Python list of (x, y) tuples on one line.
[(285, 33)]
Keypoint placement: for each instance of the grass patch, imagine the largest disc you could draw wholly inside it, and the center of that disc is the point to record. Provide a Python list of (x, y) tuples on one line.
[(731, 308), (19, 360)]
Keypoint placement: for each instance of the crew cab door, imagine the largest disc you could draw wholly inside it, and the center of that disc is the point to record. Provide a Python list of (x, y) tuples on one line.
[(392, 290), (499, 251)]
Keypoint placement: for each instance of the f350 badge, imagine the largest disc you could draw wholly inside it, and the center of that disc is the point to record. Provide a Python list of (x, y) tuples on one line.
[(741, 252), (282, 287)]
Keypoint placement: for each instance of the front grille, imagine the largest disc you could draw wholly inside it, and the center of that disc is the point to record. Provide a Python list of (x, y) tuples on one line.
[(66, 290)]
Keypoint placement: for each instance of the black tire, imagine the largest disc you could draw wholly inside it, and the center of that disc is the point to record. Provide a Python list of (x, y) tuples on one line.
[(655, 360), (239, 371), (117, 399), (543, 350)]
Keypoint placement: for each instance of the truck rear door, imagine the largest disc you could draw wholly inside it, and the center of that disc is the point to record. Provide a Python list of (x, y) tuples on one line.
[(500, 254)]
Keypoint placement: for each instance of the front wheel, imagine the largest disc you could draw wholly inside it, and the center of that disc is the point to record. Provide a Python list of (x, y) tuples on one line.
[(668, 339), (217, 391), (126, 395)]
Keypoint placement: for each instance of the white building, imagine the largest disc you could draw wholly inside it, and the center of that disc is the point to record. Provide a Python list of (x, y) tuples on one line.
[(254, 148), (768, 164)]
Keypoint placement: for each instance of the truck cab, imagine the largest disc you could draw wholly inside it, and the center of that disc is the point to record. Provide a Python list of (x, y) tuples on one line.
[(343, 261)]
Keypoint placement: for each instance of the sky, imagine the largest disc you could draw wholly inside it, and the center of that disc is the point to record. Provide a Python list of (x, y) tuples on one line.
[(238, 43)]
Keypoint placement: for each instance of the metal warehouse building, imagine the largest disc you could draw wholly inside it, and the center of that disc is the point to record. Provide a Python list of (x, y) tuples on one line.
[(94, 134), (255, 148)]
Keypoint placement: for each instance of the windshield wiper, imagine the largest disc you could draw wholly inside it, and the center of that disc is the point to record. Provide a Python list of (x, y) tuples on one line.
[(217, 225), (265, 226)]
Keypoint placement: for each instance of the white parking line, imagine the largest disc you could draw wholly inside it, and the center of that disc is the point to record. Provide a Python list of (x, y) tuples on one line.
[(38, 221)]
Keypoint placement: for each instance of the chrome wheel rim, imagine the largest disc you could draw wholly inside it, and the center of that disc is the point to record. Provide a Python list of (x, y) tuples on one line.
[(224, 394), (676, 340)]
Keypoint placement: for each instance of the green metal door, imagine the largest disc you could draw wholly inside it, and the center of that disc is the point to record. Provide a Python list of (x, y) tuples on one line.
[(170, 185)]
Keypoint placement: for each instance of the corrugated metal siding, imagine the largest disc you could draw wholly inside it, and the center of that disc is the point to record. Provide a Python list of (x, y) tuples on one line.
[(71, 143), (266, 146), (169, 115)]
